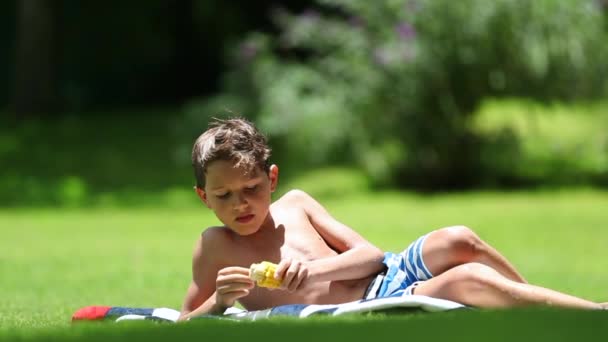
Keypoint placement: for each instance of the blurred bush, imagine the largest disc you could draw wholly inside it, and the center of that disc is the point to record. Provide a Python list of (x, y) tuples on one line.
[(529, 143), (393, 85), (80, 159), (97, 162)]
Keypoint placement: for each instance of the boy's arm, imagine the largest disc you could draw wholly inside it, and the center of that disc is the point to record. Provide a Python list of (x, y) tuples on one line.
[(200, 295), (214, 288), (233, 283), (357, 258)]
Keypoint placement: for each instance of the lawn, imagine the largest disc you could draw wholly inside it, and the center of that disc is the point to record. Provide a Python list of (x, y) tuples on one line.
[(55, 261)]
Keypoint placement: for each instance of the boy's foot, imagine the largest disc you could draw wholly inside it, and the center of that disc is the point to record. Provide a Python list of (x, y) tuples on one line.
[(604, 305)]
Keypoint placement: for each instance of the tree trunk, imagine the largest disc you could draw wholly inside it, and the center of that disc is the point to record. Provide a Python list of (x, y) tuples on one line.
[(36, 63)]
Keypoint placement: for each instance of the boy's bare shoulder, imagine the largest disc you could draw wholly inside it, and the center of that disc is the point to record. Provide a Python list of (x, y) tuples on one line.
[(295, 197), (215, 239), (299, 200), (216, 234)]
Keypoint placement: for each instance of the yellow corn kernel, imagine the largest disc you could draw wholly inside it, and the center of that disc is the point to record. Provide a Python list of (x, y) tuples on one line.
[(263, 274)]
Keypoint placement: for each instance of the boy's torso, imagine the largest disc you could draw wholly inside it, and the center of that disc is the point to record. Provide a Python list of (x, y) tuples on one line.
[(293, 237)]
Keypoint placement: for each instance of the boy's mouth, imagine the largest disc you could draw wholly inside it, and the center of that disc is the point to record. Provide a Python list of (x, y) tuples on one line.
[(245, 218)]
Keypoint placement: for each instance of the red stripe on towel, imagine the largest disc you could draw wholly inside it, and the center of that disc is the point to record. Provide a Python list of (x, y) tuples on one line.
[(91, 313)]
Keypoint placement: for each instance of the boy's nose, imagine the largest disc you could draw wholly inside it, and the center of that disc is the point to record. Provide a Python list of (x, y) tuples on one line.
[(240, 202)]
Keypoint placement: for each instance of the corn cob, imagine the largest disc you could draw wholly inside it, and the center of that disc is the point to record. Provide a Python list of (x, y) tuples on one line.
[(263, 274)]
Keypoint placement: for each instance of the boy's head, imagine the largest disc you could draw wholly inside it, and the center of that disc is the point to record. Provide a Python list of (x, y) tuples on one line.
[(235, 140), (233, 175)]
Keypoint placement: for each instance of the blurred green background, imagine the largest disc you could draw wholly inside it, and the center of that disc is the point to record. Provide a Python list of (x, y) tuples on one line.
[(401, 116), (103, 101)]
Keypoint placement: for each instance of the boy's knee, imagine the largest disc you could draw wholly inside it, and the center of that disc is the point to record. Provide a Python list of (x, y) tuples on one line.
[(462, 242), (473, 276)]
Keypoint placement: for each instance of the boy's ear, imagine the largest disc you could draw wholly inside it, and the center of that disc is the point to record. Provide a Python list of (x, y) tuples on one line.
[(202, 195), (273, 174)]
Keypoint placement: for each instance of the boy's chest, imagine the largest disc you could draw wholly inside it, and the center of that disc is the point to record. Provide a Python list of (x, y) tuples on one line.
[(303, 244), (293, 238)]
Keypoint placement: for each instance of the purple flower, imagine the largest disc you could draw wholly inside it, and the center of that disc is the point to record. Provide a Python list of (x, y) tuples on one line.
[(248, 51), (310, 14), (405, 31), (356, 22)]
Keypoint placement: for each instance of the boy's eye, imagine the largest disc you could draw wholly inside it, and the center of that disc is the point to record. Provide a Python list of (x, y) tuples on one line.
[(251, 188), (223, 196)]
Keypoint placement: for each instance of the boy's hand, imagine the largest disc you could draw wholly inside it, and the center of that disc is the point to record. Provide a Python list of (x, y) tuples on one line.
[(293, 272), (231, 284)]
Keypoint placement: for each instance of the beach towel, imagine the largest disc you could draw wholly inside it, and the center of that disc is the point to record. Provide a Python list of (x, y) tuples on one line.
[(393, 304)]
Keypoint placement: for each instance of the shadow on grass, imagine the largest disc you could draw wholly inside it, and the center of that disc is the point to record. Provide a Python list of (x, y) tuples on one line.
[(63, 162)]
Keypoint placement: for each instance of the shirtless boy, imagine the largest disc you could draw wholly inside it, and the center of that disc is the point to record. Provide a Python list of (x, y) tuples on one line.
[(320, 260)]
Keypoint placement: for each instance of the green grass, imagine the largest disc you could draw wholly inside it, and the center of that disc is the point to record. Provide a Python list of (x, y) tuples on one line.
[(97, 209), (55, 261), (513, 325)]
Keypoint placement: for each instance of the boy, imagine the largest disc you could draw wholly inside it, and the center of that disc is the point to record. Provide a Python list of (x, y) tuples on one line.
[(320, 260)]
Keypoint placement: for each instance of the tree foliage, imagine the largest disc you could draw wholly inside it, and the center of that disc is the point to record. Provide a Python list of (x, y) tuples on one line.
[(392, 84)]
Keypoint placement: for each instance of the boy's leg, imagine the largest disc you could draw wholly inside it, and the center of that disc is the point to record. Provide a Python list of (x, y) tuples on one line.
[(478, 285), (452, 246)]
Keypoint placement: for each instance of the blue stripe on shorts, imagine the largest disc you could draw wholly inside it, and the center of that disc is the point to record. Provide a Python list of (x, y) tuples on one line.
[(404, 271)]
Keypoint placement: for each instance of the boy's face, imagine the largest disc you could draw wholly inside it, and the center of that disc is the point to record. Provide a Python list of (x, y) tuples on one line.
[(240, 199)]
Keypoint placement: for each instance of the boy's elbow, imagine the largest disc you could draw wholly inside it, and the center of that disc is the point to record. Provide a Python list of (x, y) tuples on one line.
[(378, 253), (374, 252)]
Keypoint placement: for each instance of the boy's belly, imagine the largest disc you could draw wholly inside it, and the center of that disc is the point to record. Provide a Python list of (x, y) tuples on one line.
[(319, 293)]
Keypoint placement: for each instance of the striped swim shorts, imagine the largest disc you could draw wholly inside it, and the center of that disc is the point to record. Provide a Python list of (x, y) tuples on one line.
[(403, 272)]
